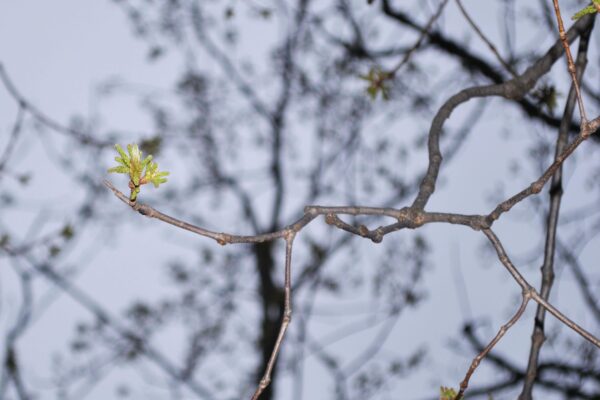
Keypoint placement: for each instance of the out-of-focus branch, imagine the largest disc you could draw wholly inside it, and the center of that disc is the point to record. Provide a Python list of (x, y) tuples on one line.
[(82, 137), (570, 62), (11, 369), (584, 284), (423, 35), (12, 141), (482, 36), (104, 316)]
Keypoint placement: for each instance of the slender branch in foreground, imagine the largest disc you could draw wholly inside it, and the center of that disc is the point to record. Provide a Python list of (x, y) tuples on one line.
[(539, 184), (415, 216), (570, 62), (287, 315), (533, 293), (475, 363), (407, 217)]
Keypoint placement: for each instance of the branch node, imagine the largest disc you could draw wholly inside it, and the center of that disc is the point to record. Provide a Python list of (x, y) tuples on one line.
[(330, 218)]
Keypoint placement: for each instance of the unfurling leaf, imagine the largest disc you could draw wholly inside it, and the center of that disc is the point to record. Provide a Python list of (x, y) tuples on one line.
[(140, 170), (378, 79), (447, 393), (591, 9)]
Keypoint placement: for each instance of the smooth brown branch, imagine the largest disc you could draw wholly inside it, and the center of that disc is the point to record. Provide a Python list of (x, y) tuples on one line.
[(565, 320), (503, 257), (407, 217), (527, 295), (570, 62), (538, 185), (221, 238), (505, 260), (287, 315)]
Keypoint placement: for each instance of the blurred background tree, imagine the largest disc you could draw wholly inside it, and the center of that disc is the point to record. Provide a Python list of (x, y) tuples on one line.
[(265, 112)]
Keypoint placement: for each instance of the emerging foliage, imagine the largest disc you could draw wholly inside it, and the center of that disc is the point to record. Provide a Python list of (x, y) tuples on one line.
[(377, 79), (591, 9), (447, 393), (140, 171)]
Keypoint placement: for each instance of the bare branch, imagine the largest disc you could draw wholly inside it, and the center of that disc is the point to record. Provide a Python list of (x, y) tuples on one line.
[(465, 383), (287, 315), (570, 62)]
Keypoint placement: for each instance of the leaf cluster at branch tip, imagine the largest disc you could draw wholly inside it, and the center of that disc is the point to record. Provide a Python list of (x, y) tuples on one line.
[(140, 170), (378, 82), (593, 8), (447, 393)]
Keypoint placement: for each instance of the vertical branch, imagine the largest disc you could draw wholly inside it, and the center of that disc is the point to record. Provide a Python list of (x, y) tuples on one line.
[(570, 62), (556, 190), (287, 315)]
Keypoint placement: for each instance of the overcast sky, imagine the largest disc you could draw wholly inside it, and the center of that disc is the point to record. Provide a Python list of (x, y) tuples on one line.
[(58, 52)]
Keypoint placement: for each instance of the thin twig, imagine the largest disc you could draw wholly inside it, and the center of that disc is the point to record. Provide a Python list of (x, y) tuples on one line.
[(287, 315), (505, 260), (537, 186), (475, 363), (570, 62)]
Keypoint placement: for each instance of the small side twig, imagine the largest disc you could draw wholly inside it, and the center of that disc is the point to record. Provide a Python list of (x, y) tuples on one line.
[(475, 363)]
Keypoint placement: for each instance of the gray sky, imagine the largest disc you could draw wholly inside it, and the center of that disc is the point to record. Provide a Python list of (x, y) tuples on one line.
[(58, 52)]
